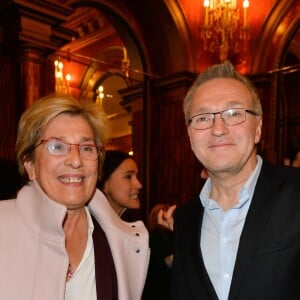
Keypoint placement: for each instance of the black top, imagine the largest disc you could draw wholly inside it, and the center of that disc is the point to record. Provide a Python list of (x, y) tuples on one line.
[(158, 282)]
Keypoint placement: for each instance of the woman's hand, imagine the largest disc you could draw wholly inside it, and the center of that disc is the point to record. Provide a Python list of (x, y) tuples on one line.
[(165, 217)]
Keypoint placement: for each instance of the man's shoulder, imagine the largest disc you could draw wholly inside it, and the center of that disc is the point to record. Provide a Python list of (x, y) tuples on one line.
[(271, 170), (278, 178)]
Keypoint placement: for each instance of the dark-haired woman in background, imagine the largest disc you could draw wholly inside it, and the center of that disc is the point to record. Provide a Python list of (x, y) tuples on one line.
[(120, 183)]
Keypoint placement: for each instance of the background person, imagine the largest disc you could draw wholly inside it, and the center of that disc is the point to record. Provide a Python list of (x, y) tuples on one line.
[(120, 183), (60, 239), (295, 160), (294, 157), (158, 283), (240, 239)]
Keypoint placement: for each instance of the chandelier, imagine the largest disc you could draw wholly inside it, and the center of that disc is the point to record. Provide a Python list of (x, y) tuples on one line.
[(223, 31), (62, 82)]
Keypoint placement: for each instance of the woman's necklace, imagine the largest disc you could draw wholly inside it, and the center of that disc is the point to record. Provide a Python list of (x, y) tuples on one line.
[(70, 273), (71, 270), (76, 247)]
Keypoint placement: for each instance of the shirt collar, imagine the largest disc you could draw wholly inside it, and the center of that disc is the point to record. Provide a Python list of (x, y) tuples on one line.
[(245, 193)]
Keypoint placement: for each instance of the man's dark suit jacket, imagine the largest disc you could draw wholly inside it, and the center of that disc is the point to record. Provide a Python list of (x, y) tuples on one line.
[(268, 260)]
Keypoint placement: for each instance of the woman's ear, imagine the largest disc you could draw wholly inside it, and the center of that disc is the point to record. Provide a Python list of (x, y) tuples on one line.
[(29, 167), (106, 187)]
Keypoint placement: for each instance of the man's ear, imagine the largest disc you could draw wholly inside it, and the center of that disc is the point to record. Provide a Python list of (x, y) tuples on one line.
[(29, 167), (258, 131)]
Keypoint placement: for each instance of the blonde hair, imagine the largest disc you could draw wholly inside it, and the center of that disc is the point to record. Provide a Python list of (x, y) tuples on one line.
[(34, 120)]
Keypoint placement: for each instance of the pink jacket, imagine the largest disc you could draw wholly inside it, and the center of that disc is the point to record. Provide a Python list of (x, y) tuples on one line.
[(33, 259)]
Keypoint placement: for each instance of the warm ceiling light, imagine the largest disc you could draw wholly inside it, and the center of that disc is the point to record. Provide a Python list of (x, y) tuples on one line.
[(222, 31), (100, 95), (62, 84)]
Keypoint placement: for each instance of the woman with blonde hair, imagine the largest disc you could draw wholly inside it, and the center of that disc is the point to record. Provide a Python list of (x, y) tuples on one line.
[(60, 239)]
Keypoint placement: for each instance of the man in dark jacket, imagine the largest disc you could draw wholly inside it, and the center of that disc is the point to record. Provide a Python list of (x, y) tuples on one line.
[(240, 239)]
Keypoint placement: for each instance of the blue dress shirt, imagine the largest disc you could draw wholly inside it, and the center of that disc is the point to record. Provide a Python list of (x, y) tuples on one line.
[(221, 232)]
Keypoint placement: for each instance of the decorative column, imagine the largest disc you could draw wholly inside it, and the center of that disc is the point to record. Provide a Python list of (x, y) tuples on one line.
[(37, 75), (26, 74)]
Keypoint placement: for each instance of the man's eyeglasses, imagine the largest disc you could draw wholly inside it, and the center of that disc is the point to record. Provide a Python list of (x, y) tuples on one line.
[(60, 148), (230, 117)]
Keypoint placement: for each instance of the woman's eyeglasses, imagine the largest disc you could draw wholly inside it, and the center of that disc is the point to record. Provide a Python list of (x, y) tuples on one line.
[(60, 148)]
